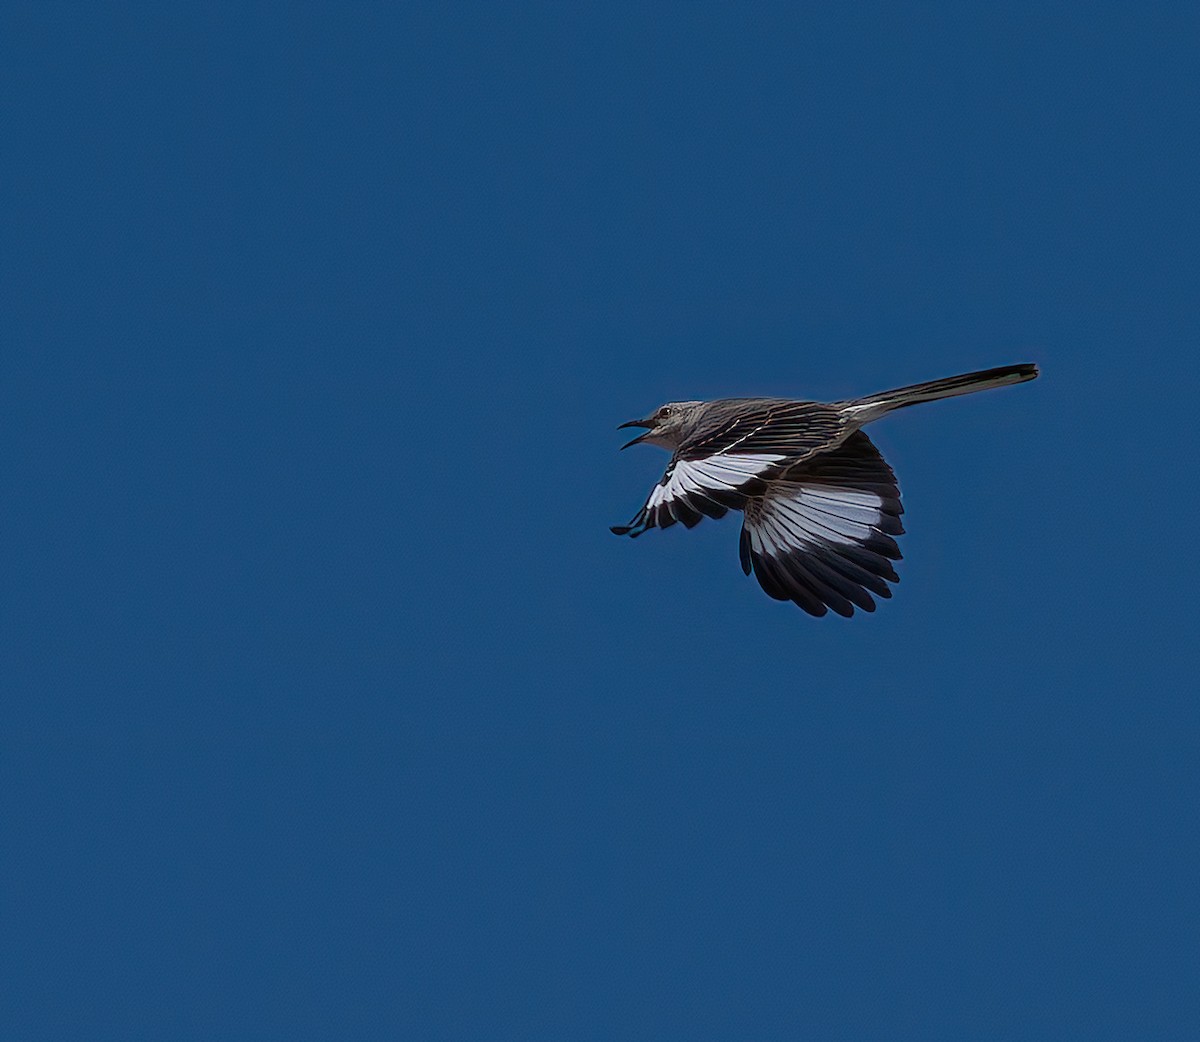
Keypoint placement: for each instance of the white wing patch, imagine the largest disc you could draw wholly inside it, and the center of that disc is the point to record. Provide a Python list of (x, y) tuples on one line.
[(708, 487), (795, 517), (823, 545), (724, 472)]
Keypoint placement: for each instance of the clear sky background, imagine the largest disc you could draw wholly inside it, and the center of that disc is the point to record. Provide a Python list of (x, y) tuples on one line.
[(332, 710)]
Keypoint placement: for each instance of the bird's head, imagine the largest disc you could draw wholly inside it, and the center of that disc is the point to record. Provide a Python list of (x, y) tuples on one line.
[(664, 426)]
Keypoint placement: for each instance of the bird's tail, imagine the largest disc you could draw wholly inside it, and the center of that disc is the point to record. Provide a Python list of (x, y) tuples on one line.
[(864, 410)]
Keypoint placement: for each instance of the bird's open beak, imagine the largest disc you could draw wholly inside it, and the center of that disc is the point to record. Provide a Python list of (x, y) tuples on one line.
[(640, 437)]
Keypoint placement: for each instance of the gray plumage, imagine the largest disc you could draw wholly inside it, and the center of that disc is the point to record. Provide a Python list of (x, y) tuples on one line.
[(821, 506)]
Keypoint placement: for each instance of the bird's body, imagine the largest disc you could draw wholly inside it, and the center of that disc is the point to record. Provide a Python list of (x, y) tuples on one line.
[(821, 506)]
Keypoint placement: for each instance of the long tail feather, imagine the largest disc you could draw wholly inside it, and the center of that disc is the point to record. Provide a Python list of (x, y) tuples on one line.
[(863, 410)]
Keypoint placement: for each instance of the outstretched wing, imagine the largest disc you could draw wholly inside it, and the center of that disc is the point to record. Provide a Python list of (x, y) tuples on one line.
[(821, 534), (738, 445), (695, 488)]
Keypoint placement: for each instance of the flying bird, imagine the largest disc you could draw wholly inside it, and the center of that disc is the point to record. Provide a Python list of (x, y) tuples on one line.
[(821, 507)]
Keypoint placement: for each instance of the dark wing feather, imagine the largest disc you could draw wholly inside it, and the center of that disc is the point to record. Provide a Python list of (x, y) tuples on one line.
[(777, 426), (822, 533)]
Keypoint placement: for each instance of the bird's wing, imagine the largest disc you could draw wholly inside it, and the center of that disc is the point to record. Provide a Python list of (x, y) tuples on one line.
[(778, 426), (695, 488), (738, 446), (821, 535)]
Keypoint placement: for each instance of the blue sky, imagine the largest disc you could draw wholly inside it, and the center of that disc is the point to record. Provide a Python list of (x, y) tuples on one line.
[(332, 708)]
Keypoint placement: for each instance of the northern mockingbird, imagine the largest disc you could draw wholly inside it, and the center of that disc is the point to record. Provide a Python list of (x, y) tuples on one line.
[(820, 504)]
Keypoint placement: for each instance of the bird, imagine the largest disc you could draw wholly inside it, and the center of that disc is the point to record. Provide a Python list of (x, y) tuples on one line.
[(820, 505)]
